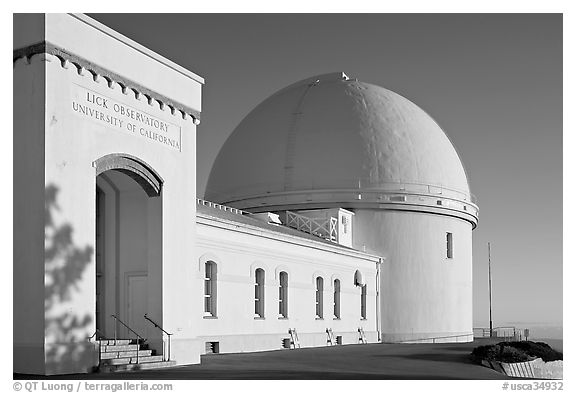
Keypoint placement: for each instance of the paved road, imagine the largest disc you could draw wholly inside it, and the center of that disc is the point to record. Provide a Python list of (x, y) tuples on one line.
[(370, 361)]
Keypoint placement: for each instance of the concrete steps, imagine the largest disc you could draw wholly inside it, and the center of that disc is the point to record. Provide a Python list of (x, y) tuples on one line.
[(116, 342), (135, 367), (132, 360), (120, 348), (126, 355)]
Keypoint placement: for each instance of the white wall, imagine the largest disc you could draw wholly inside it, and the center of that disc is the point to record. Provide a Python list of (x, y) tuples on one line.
[(29, 205), (424, 294), (55, 149), (72, 171), (239, 251)]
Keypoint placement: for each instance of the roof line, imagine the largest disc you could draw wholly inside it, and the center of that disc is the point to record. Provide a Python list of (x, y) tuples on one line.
[(136, 46)]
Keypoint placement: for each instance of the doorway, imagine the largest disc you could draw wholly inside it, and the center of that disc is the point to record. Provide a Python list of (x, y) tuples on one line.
[(128, 229)]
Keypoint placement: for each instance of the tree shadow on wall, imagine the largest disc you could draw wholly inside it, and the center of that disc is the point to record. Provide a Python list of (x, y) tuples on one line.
[(67, 346)]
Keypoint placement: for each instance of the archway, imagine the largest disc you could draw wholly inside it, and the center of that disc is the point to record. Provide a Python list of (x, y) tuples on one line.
[(128, 247)]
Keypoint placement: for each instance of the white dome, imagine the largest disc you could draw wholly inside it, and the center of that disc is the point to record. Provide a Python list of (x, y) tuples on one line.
[(330, 134)]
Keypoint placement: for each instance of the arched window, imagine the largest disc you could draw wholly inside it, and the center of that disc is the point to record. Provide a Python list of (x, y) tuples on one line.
[(363, 302), (210, 289), (319, 297), (336, 299), (283, 296), (259, 294), (359, 281)]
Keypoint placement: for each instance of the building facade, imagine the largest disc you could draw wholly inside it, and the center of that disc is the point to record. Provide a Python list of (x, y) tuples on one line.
[(333, 142), (263, 280), (306, 245)]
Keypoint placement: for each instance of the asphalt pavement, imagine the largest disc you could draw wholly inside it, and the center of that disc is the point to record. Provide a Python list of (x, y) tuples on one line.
[(362, 361)]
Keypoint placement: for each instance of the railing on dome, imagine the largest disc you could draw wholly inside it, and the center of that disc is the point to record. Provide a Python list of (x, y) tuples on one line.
[(220, 207), (255, 190), (324, 227)]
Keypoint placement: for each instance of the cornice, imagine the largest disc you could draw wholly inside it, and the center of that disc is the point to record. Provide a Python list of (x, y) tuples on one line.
[(83, 65)]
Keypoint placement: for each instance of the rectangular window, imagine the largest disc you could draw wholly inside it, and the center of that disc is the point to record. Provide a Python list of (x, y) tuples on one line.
[(319, 297), (259, 294), (210, 289), (449, 246), (256, 301), (363, 302), (283, 296), (336, 299)]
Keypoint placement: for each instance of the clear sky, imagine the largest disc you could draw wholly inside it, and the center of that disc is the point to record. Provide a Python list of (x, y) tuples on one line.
[(492, 81)]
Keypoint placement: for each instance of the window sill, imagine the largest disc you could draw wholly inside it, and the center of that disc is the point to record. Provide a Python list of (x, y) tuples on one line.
[(319, 319), (259, 318), (282, 317), (336, 318), (210, 317), (363, 319)]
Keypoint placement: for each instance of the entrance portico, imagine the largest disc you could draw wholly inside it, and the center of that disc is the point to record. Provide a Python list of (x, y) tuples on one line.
[(128, 249), (104, 169)]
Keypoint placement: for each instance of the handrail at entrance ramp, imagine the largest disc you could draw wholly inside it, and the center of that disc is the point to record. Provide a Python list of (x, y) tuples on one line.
[(164, 331)]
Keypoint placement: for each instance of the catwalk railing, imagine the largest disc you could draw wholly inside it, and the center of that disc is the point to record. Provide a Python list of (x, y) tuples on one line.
[(325, 227)]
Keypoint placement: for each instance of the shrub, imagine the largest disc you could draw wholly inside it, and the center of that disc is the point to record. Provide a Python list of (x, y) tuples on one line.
[(486, 352), (537, 349), (513, 355), (516, 351)]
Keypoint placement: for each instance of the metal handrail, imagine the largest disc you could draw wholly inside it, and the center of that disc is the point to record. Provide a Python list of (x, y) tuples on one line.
[(160, 327), (432, 338), (516, 331), (497, 327), (138, 337), (99, 344), (94, 334)]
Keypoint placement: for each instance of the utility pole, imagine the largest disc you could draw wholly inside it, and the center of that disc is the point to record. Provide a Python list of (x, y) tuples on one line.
[(490, 288)]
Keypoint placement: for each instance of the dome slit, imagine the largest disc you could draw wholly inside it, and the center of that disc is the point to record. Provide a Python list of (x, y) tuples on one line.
[(291, 139)]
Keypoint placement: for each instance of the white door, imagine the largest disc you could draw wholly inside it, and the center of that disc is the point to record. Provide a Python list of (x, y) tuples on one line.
[(137, 304)]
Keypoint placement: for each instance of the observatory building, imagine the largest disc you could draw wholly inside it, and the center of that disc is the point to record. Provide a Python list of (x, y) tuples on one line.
[(331, 142), (337, 212)]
